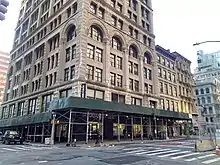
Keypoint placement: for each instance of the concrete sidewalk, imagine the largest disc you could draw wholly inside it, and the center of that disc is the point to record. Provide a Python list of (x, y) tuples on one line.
[(109, 143)]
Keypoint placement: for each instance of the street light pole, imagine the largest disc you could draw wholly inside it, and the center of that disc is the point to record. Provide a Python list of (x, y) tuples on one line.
[(199, 43)]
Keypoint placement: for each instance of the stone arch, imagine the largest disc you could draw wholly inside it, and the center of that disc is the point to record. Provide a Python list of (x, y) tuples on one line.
[(100, 25), (117, 34), (66, 28), (136, 45), (151, 53), (148, 57)]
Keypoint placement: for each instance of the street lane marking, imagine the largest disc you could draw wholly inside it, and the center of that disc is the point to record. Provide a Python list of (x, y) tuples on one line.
[(131, 152), (147, 152), (127, 149), (20, 148), (201, 157), (45, 161), (167, 155), (182, 156), (164, 152), (211, 161), (9, 149)]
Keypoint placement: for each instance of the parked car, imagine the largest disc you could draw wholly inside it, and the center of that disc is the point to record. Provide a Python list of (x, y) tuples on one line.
[(1, 136), (12, 137)]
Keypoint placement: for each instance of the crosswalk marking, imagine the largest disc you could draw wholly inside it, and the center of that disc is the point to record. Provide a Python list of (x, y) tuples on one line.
[(127, 149), (164, 152), (9, 149), (147, 152), (20, 148), (201, 157), (182, 156), (131, 152), (172, 154), (211, 161)]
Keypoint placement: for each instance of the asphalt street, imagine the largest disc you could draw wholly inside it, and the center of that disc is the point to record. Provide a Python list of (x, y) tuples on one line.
[(169, 153)]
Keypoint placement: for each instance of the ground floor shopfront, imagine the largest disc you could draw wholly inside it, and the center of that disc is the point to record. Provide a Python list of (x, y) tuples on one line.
[(76, 118)]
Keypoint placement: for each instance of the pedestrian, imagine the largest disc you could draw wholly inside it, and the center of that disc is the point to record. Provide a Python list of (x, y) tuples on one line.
[(97, 136)]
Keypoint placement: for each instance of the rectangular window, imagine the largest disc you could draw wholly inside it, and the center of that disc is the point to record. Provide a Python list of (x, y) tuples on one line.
[(72, 71), (130, 67), (67, 54), (73, 51), (32, 106), (66, 74), (90, 72), (20, 109), (99, 54), (119, 63), (46, 102), (119, 80), (66, 93), (136, 86), (90, 51), (112, 60), (136, 69), (131, 84), (112, 78), (98, 75)]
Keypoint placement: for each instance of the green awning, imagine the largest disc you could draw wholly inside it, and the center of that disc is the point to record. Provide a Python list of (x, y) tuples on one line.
[(26, 120), (81, 103)]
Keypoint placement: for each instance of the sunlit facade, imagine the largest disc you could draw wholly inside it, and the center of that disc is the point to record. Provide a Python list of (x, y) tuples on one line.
[(93, 53)]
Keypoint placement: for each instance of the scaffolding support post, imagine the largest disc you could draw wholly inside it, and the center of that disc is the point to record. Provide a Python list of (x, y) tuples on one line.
[(142, 129), (69, 129), (42, 135), (35, 129), (118, 129), (87, 128), (102, 127), (132, 125)]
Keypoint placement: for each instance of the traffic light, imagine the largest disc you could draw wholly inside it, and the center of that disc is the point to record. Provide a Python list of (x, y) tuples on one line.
[(3, 9)]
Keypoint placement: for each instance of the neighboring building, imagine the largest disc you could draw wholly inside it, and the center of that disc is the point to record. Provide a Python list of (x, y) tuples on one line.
[(102, 53), (208, 97), (4, 62), (207, 79), (3, 9), (175, 82)]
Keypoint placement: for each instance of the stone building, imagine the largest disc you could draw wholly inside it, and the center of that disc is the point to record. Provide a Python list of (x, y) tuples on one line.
[(102, 53), (4, 61)]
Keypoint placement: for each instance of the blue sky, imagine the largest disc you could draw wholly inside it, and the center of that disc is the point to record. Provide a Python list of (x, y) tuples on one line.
[(178, 24)]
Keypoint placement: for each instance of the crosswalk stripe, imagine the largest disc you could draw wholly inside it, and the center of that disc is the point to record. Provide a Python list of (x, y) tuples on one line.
[(131, 152), (127, 149), (167, 155), (20, 148), (182, 156), (147, 152), (164, 152), (9, 149), (201, 157), (211, 161)]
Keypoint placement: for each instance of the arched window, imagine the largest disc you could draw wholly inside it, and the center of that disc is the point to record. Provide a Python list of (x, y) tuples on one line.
[(71, 33), (133, 51), (116, 44), (202, 91), (207, 90), (147, 58), (203, 100), (95, 33)]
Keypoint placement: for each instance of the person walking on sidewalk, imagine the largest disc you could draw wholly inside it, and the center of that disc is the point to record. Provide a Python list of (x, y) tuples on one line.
[(97, 132)]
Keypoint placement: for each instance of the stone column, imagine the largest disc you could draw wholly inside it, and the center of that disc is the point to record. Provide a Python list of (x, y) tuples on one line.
[(61, 60), (141, 74), (106, 68), (125, 69)]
